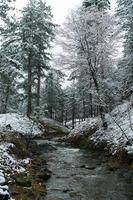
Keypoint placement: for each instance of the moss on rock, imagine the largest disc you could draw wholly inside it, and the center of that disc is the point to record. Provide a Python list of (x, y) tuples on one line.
[(30, 184)]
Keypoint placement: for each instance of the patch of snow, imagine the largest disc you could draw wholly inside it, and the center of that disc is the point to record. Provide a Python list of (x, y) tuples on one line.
[(84, 126), (18, 123), (120, 128), (129, 149), (2, 180), (26, 161), (4, 190), (69, 123), (118, 133), (5, 187), (120, 109), (7, 161)]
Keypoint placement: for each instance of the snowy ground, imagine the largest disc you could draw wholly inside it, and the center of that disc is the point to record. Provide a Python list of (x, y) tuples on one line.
[(120, 129), (84, 126), (69, 123), (12, 123), (4, 190), (8, 162), (18, 123)]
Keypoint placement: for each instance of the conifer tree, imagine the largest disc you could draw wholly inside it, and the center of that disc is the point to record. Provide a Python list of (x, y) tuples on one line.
[(54, 95), (100, 4), (37, 31)]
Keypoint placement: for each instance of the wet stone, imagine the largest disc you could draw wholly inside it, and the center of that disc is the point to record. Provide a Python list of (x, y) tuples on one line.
[(65, 191), (88, 167)]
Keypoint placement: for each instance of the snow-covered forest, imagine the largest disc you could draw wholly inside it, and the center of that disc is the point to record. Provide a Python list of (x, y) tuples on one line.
[(72, 82), (94, 48)]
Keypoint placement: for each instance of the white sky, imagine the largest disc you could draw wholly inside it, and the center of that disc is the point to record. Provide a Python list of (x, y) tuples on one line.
[(60, 8)]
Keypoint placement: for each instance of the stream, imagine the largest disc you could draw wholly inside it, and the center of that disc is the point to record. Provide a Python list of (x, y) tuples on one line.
[(83, 175)]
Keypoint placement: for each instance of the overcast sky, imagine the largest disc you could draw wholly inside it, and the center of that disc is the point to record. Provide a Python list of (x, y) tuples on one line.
[(60, 8)]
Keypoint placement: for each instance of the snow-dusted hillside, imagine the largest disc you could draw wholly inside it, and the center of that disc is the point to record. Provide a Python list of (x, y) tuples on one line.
[(119, 134), (85, 126), (18, 123)]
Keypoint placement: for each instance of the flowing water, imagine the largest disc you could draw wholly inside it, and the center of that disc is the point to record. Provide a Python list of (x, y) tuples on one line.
[(82, 175)]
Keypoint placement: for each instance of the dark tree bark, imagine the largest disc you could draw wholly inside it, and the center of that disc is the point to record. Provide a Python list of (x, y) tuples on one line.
[(91, 107), (29, 104), (38, 85), (50, 109), (62, 112), (73, 111), (101, 109), (84, 110), (6, 99), (65, 117)]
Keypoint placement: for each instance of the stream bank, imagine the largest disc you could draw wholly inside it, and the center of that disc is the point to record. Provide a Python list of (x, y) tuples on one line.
[(58, 171), (28, 183)]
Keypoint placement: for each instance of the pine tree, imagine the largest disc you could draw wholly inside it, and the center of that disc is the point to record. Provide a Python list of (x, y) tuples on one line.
[(70, 104), (45, 36), (54, 96), (25, 48), (9, 60), (100, 4), (36, 31), (4, 8)]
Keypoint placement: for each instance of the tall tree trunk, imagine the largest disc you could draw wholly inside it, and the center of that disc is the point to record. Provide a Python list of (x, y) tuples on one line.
[(84, 111), (38, 85), (29, 105), (65, 117), (6, 99), (50, 109), (73, 111), (79, 119), (73, 118), (62, 112), (91, 107), (101, 110)]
